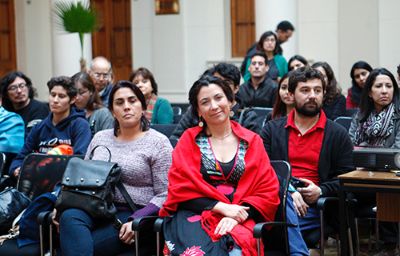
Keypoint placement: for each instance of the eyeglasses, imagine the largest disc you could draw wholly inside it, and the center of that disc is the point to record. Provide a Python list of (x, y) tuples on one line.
[(104, 75), (81, 92), (14, 87)]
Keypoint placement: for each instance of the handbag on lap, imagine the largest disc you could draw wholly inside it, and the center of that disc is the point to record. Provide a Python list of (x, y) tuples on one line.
[(89, 185), (12, 203)]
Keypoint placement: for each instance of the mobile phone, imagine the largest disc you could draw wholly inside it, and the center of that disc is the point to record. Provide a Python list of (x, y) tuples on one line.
[(297, 183)]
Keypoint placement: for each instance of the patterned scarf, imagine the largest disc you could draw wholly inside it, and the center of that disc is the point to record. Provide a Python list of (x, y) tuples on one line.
[(150, 106), (376, 129)]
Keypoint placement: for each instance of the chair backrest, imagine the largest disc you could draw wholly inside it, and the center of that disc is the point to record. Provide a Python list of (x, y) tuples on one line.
[(276, 239), (40, 173), (344, 121), (351, 112), (2, 162), (182, 106), (177, 114), (261, 114), (166, 129)]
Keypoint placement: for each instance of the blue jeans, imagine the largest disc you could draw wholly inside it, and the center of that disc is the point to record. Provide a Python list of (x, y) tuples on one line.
[(297, 246), (81, 235)]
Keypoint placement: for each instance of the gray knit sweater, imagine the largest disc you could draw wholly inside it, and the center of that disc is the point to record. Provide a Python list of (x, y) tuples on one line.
[(145, 163)]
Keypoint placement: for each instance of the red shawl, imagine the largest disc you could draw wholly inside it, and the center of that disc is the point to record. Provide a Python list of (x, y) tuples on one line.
[(258, 185)]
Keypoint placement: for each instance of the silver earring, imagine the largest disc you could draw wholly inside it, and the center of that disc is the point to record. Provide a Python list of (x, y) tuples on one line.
[(231, 113)]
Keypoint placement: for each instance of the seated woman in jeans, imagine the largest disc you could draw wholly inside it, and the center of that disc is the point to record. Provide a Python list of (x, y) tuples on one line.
[(144, 156), (221, 181)]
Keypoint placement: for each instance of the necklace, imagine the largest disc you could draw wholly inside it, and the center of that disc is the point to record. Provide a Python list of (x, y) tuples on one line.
[(223, 137)]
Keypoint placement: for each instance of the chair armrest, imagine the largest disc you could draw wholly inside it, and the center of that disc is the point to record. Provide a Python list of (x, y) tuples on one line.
[(140, 222), (158, 224), (323, 201), (259, 227), (45, 218)]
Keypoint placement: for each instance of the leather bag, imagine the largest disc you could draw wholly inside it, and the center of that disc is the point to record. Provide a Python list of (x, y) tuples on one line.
[(89, 185), (12, 203)]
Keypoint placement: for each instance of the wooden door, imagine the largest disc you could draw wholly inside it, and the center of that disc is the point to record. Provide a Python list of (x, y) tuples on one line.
[(8, 61), (243, 26), (113, 40)]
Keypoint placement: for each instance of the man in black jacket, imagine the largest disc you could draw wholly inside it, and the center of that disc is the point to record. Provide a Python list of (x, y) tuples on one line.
[(230, 73), (260, 90), (317, 149)]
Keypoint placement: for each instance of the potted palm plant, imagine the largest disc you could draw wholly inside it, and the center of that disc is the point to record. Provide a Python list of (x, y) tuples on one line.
[(76, 17)]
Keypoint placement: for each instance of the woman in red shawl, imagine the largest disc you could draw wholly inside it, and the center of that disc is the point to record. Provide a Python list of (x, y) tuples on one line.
[(220, 183)]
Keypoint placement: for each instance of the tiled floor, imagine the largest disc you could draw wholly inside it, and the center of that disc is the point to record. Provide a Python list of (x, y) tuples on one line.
[(364, 251)]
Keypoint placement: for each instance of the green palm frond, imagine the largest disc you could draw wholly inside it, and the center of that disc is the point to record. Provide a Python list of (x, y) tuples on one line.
[(76, 18)]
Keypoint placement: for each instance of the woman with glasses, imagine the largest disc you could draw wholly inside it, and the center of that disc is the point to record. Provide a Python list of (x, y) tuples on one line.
[(268, 43), (18, 96), (88, 99), (159, 110)]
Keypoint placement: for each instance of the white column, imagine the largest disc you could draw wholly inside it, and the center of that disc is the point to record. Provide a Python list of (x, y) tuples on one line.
[(269, 13), (66, 49)]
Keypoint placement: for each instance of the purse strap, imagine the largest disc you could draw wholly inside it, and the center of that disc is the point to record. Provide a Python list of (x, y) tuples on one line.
[(125, 194), (92, 152)]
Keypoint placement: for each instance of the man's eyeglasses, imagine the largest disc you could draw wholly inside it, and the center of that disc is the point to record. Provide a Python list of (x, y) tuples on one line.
[(14, 87), (104, 75)]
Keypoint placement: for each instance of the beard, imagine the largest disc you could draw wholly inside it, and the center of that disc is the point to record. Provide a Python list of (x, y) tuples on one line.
[(308, 109)]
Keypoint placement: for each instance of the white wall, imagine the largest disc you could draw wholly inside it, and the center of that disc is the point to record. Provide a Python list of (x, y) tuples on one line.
[(43, 49), (176, 48), (34, 48), (389, 37), (358, 36)]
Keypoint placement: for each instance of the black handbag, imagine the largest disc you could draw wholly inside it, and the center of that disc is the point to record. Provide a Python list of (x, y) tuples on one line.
[(12, 203), (89, 185)]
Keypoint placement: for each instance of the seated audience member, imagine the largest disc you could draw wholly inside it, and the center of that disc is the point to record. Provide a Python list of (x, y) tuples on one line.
[(145, 157), (377, 123), (159, 110), (284, 102), (18, 96), (230, 74), (220, 181), (101, 73), (297, 61), (317, 149), (276, 62), (334, 104), (64, 124), (260, 90), (359, 74), (12, 131), (88, 99)]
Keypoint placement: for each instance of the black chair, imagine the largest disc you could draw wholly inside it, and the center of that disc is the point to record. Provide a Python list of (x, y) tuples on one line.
[(5, 179), (351, 112), (261, 115), (344, 121), (177, 114), (275, 239), (166, 129), (183, 106)]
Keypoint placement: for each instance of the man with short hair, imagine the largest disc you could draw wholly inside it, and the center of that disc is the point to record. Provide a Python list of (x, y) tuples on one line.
[(284, 31), (18, 96), (260, 90), (101, 73), (317, 149)]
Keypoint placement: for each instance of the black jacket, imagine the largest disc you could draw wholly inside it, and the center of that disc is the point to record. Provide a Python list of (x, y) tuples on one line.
[(335, 158), (189, 120), (264, 96)]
